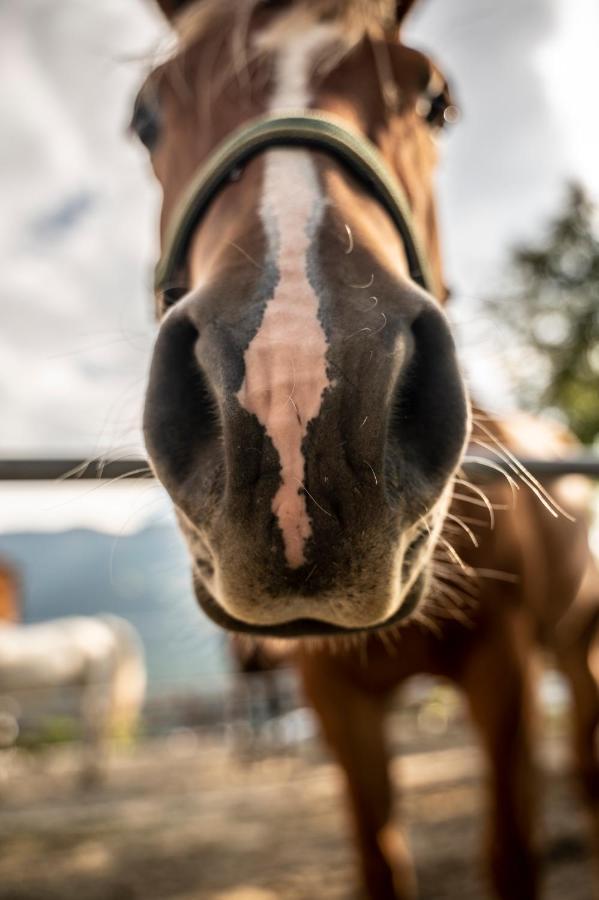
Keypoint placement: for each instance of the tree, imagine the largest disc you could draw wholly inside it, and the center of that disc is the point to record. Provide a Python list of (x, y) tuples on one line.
[(550, 319)]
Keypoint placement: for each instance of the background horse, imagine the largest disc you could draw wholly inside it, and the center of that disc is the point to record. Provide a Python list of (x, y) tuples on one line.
[(99, 657), (307, 415)]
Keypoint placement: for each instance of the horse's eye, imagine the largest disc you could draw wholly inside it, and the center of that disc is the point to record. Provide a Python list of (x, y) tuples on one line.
[(435, 104), (437, 110), (145, 122)]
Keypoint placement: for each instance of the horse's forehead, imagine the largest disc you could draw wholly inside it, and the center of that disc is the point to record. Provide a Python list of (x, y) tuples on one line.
[(231, 50)]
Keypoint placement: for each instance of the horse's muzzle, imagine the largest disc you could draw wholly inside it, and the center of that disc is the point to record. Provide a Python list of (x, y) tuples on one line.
[(376, 469)]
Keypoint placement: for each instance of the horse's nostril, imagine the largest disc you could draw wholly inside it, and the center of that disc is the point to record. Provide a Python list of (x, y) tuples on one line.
[(180, 415), (428, 419)]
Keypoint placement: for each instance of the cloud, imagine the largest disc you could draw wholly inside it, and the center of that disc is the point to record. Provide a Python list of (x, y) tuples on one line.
[(78, 235)]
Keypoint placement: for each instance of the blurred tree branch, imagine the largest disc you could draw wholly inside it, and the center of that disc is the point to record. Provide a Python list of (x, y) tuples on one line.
[(550, 318)]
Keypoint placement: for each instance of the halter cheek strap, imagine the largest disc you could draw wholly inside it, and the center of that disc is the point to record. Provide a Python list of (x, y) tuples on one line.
[(310, 129)]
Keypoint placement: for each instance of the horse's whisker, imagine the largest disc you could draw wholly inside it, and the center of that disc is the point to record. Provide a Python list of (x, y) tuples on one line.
[(306, 491), (485, 500), (458, 520), (453, 554), (360, 287), (535, 485), (488, 464), (350, 238)]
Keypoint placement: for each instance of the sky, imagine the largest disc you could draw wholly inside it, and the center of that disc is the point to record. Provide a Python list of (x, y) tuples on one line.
[(80, 209)]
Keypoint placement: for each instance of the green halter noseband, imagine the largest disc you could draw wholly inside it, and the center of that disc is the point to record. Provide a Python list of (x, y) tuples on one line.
[(310, 129)]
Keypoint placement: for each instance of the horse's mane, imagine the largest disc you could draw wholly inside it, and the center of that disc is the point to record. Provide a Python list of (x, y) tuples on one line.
[(358, 17)]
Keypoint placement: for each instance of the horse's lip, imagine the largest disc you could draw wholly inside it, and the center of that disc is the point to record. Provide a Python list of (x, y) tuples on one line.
[(299, 628)]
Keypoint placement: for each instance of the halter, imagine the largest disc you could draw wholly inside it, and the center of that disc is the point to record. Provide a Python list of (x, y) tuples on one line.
[(308, 128)]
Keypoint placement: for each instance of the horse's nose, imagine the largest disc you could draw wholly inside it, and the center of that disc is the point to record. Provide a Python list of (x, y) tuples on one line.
[(428, 415), (181, 421)]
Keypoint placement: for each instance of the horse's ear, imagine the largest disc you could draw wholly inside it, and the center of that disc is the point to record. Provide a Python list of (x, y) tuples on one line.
[(171, 8), (402, 8)]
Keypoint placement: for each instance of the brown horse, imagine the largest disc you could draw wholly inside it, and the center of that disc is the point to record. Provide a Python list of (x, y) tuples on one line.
[(306, 413)]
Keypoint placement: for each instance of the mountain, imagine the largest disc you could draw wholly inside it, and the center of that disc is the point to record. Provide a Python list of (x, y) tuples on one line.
[(143, 577)]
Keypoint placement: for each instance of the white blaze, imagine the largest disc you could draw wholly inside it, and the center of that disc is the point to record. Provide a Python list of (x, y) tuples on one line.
[(285, 363)]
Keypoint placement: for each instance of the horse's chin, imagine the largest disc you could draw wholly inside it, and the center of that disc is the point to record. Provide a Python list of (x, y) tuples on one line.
[(298, 628)]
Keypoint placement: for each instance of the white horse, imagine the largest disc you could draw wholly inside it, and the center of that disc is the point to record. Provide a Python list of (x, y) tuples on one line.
[(101, 657)]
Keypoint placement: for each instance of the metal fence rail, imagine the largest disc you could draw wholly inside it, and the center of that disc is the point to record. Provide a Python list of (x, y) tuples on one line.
[(70, 470), (53, 469)]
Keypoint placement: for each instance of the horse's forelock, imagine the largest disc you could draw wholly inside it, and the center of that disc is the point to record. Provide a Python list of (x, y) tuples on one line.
[(357, 17)]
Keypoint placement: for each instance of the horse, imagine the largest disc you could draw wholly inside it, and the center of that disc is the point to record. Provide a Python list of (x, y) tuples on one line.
[(306, 411), (100, 657)]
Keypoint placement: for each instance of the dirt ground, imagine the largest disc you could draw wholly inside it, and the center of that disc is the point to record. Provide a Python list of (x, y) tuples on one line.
[(186, 818)]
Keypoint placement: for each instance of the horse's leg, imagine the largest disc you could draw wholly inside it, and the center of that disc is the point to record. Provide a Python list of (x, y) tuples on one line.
[(95, 709), (94, 715), (579, 660), (496, 679), (352, 721)]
